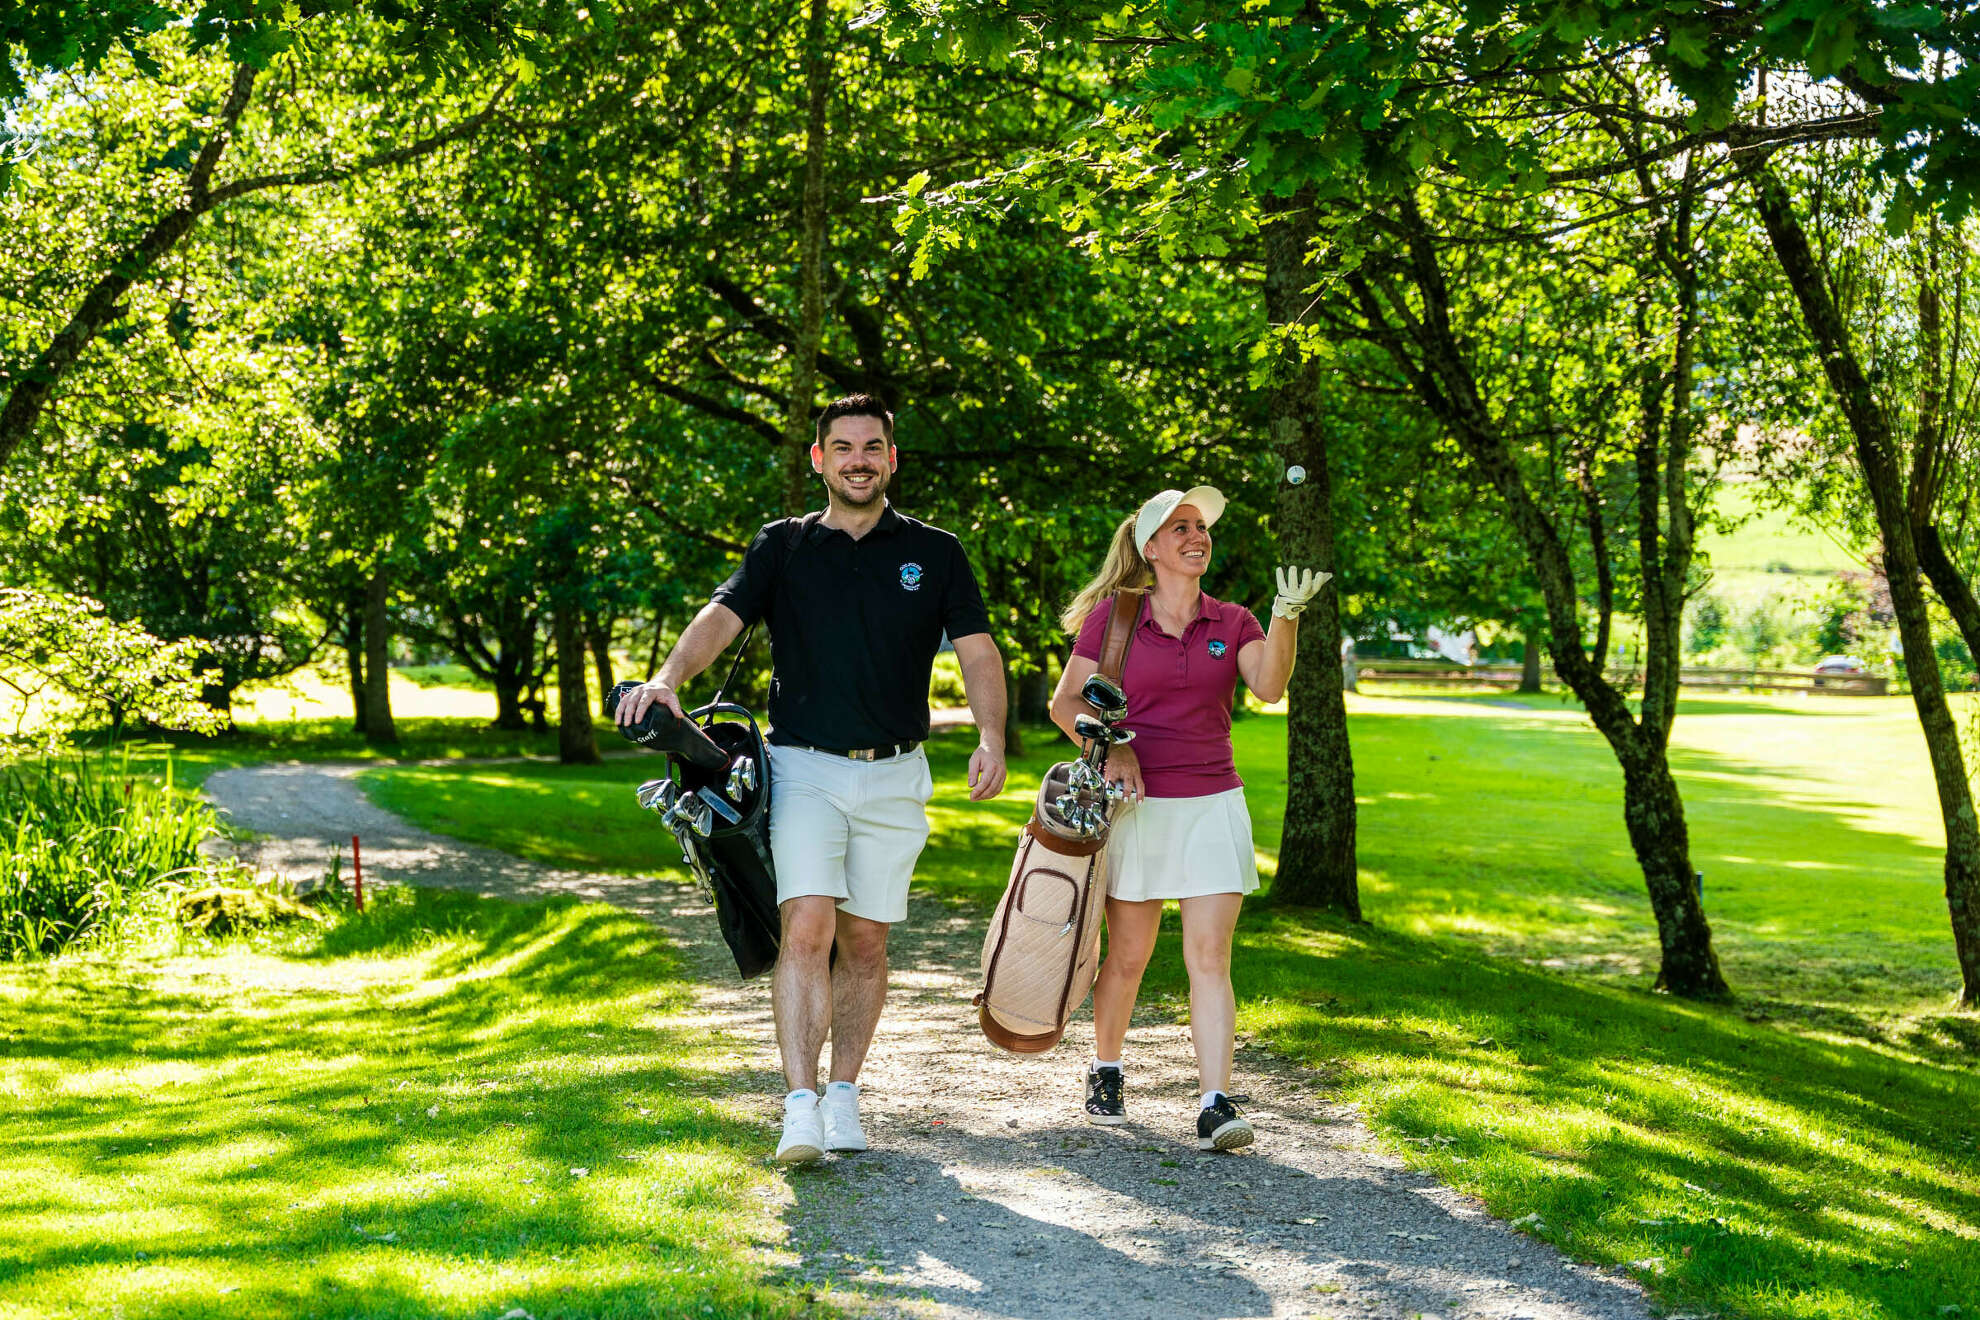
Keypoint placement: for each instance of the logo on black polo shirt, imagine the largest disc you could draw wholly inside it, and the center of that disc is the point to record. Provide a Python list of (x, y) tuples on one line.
[(910, 577), (1217, 650)]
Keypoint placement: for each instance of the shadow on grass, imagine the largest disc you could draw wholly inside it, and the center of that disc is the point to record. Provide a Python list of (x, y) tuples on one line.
[(1767, 1174), (446, 1106)]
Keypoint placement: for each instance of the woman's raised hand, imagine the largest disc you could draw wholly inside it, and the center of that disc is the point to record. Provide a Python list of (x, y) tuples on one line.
[(1297, 588)]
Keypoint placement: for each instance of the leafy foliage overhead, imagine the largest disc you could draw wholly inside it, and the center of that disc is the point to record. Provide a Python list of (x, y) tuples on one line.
[(50, 35)]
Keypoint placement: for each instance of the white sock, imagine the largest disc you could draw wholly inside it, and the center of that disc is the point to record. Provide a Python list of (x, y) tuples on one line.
[(1210, 1098), (1098, 1064), (842, 1088), (802, 1093)]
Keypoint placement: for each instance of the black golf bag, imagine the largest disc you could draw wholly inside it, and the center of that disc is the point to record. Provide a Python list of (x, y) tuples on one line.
[(716, 802)]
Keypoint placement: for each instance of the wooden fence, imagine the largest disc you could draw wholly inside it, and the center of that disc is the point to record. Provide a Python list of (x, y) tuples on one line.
[(1442, 674)]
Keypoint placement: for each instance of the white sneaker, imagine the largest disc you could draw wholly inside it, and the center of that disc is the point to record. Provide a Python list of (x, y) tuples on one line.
[(841, 1110), (804, 1131)]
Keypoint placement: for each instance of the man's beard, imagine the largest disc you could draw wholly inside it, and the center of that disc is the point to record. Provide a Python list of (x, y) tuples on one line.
[(845, 494)]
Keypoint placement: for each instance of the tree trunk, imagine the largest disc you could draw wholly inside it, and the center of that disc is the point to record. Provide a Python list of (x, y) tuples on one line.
[(598, 635), (354, 658), (514, 670), (1877, 453), (509, 703), (653, 655), (1529, 665), (1034, 702), (378, 726), (1950, 585), (811, 257), (575, 743), (1426, 348), (1654, 814), (1317, 849)]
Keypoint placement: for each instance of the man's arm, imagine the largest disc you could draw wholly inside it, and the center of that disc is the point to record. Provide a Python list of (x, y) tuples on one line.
[(701, 643), (983, 684)]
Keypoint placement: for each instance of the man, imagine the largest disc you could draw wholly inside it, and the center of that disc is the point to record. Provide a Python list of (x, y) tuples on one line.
[(857, 602)]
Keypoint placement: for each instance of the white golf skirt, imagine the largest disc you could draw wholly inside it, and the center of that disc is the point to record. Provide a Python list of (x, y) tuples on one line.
[(1181, 848)]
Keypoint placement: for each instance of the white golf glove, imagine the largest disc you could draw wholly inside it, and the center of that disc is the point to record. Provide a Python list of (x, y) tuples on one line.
[(1297, 588)]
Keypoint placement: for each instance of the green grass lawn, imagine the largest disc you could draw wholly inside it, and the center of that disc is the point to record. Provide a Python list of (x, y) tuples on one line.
[(446, 1107), (1805, 1152)]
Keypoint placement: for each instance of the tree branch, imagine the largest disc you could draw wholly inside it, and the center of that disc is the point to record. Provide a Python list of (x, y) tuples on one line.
[(412, 151)]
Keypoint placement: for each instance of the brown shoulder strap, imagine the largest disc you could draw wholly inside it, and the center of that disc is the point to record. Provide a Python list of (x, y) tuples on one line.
[(1120, 634)]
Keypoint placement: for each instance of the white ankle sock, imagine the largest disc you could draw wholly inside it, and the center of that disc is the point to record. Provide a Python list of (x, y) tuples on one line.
[(802, 1093), (1210, 1098), (842, 1088), (1098, 1064)]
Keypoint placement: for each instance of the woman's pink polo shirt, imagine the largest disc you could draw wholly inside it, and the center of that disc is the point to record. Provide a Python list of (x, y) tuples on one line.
[(1179, 694)]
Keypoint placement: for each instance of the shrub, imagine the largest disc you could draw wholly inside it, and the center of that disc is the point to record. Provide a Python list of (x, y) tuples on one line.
[(80, 844)]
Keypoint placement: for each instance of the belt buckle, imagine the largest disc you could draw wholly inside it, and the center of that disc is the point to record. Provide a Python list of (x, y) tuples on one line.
[(862, 754)]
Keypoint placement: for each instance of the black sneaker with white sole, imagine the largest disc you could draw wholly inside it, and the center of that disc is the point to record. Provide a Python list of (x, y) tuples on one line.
[(1222, 1127), (1103, 1097)]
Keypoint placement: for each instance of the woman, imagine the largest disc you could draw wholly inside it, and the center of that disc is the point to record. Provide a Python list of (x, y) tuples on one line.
[(1181, 831)]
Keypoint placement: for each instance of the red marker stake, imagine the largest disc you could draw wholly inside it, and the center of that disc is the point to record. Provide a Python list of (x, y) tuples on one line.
[(357, 876)]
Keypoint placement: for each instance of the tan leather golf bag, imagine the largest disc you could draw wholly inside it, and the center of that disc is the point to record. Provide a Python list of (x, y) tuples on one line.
[(1043, 946)]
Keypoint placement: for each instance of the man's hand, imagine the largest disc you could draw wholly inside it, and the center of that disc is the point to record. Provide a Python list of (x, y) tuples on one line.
[(986, 773), (1297, 586), (634, 705)]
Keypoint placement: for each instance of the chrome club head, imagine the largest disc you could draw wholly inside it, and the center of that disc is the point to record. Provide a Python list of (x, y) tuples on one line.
[(1105, 696), (656, 794), (1101, 731)]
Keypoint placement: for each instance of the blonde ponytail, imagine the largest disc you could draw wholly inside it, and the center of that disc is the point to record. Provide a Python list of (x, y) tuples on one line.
[(1123, 570)]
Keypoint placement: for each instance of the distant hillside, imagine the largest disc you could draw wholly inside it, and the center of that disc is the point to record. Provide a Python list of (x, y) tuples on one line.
[(1770, 554)]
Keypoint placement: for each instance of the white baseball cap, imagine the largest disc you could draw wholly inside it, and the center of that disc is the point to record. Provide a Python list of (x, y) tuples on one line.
[(1209, 501)]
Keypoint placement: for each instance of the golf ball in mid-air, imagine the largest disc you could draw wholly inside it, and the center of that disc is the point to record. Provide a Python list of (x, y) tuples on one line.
[(1295, 474)]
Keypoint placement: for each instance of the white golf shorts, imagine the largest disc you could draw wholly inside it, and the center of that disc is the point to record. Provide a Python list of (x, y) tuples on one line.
[(848, 830)]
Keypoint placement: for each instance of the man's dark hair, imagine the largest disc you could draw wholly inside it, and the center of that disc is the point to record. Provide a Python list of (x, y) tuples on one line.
[(856, 405)]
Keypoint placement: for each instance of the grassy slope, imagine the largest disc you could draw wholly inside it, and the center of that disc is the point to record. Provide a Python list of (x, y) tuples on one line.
[(384, 1120), (1768, 552), (1816, 1161)]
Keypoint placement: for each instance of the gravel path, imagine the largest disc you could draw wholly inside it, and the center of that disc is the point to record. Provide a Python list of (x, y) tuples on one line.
[(986, 1195)]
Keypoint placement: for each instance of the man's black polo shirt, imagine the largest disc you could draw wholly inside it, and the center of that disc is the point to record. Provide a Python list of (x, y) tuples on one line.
[(854, 625)]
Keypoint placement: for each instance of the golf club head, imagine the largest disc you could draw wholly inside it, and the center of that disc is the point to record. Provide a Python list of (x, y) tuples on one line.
[(1105, 696), (1099, 731), (718, 806), (742, 772), (656, 794)]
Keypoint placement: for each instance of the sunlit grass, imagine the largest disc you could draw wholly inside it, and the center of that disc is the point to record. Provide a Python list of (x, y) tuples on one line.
[(1806, 1153), (1736, 1166), (448, 1107)]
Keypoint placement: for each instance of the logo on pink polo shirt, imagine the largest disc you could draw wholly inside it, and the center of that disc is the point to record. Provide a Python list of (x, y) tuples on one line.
[(1217, 650)]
